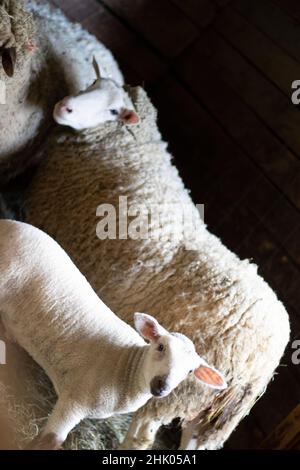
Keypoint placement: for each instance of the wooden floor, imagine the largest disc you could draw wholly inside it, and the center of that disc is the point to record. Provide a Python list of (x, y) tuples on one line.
[(220, 74)]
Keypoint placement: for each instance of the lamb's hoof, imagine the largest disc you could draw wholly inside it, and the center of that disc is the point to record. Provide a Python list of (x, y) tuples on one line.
[(48, 441)]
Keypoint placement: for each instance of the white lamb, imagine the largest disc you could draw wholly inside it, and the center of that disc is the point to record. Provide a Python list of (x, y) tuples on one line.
[(233, 317), (98, 364)]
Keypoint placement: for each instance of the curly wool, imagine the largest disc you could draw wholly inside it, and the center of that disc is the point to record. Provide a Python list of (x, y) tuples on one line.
[(205, 291)]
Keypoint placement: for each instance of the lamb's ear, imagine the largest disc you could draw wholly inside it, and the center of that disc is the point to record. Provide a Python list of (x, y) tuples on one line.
[(148, 327), (96, 68), (128, 116), (210, 376), (9, 60)]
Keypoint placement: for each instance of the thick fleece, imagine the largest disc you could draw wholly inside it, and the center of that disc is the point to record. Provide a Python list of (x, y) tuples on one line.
[(234, 318)]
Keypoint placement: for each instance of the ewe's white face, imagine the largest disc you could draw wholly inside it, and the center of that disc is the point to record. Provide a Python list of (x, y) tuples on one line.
[(102, 102), (171, 358)]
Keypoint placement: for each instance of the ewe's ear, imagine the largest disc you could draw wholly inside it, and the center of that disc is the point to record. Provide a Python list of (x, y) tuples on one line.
[(148, 327), (128, 116), (210, 376), (8, 60)]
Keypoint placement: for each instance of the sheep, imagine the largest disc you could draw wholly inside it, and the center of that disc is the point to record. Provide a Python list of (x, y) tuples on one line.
[(42, 56), (98, 364), (189, 280)]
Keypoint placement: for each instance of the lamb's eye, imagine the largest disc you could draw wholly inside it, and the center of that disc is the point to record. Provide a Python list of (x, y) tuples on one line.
[(190, 371), (114, 112), (160, 347)]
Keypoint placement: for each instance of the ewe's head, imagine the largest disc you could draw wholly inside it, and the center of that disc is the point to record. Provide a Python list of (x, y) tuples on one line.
[(103, 101), (171, 357)]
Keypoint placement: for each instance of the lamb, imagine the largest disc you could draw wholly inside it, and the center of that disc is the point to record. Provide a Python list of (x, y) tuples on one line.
[(42, 56), (190, 281), (103, 101), (98, 364)]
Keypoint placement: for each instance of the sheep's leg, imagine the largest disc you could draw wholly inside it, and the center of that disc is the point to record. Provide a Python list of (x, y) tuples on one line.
[(65, 416), (141, 433)]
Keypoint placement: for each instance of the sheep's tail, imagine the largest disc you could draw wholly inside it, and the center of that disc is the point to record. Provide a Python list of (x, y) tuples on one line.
[(213, 426)]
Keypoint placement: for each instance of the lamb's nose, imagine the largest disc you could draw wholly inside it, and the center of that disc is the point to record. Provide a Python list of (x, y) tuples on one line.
[(65, 109), (158, 385)]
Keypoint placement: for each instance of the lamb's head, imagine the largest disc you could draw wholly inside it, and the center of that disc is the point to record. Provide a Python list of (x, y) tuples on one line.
[(171, 357), (101, 102)]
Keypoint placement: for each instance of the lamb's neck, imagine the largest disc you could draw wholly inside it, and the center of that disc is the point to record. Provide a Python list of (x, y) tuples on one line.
[(134, 392)]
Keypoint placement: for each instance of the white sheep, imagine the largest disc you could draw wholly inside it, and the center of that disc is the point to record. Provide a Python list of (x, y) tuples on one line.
[(98, 364), (189, 280)]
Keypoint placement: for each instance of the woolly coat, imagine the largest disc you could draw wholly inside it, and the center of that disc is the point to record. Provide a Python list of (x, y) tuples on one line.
[(192, 284)]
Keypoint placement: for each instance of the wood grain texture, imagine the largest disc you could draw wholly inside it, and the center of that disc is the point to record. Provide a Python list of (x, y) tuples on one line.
[(287, 434), (161, 23), (128, 48)]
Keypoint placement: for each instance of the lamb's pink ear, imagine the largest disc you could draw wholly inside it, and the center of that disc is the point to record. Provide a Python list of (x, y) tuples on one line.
[(148, 327), (210, 376), (128, 116)]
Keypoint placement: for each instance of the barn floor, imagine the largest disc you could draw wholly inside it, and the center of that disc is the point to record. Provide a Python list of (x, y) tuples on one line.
[(220, 74)]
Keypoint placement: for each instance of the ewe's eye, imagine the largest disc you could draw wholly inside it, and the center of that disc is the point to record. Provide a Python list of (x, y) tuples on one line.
[(160, 347), (114, 112)]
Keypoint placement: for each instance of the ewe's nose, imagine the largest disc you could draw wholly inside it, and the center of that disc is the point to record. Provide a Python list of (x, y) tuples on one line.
[(158, 385)]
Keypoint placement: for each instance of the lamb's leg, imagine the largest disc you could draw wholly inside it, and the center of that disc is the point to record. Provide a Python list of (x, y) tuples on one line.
[(142, 431), (64, 417)]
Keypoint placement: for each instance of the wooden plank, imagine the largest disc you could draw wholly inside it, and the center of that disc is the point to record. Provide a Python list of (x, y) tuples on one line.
[(286, 436), (161, 23), (125, 45), (275, 265), (292, 7), (258, 244), (270, 59), (224, 179), (248, 434), (215, 170), (202, 12), (273, 22), (77, 10), (235, 93)]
